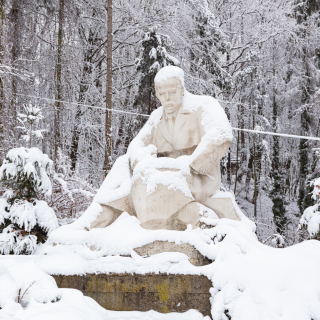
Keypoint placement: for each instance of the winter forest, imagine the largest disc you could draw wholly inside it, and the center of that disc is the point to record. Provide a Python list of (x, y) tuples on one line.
[(83, 70), (111, 205)]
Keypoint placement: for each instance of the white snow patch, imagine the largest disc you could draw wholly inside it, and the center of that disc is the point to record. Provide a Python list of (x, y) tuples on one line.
[(311, 220), (169, 72), (249, 280), (26, 292), (29, 161)]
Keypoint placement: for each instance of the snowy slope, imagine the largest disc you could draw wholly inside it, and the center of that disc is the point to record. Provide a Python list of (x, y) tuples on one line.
[(250, 281)]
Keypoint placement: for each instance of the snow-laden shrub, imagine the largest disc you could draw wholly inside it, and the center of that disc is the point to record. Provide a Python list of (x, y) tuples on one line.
[(16, 241), (25, 219), (25, 173), (71, 194), (310, 219)]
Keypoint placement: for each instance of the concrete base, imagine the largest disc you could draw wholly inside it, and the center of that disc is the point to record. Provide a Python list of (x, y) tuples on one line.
[(159, 292)]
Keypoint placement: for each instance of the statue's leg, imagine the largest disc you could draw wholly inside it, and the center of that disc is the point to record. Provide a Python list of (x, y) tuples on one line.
[(223, 207), (203, 187), (189, 214), (106, 217), (112, 211), (155, 209)]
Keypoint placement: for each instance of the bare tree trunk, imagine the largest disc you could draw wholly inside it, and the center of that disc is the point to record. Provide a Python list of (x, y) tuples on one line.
[(1, 60), (16, 35), (255, 178), (229, 176), (237, 165), (108, 128), (77, 120), (76, 135), (249, 174), (58, 105), (30, 142), (150, 91)]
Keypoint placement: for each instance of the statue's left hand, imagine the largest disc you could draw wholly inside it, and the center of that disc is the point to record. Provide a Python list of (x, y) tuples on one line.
[(194, 171)]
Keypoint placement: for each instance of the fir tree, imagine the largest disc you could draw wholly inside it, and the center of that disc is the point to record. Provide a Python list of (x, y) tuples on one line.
[(277, 193), (310, 220), (154, 56), (212, 43), (25, 218), (251, 82), (305, 12), (303, 9), (31, 117), (304, 199)]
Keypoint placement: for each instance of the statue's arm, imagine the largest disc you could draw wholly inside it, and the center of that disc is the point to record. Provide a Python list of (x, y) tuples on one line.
[(208, 159), (211, 157), (143, 143)]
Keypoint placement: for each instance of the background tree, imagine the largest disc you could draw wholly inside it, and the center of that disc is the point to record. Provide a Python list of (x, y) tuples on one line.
[(237, 51), (154, 55)]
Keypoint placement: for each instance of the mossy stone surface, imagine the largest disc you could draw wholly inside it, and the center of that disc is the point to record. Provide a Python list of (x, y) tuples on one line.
[(133, 292)]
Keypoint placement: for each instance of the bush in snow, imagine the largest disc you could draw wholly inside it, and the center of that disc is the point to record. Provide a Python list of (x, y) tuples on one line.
[(310, 219), (71, 194), (25, 220)]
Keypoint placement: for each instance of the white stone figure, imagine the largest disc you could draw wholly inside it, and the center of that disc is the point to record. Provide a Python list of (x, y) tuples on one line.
[(172, 167)]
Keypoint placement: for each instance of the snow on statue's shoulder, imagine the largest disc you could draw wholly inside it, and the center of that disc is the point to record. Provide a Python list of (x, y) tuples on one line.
[(152, 122)]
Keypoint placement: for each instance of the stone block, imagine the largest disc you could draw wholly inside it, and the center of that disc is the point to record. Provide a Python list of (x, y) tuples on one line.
[(133, 292), (196, 258)]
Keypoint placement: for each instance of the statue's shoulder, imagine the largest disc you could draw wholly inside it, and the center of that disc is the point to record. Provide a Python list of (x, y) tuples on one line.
[(156, 117), (153, 122), (198, 104)]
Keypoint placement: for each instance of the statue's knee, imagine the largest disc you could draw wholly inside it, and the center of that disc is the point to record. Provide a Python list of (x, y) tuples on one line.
[(106, 217)]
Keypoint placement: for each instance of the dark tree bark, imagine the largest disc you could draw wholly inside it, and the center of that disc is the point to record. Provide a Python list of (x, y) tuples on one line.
[(1, 60), (108, 124), (58, 78), (16, 18)]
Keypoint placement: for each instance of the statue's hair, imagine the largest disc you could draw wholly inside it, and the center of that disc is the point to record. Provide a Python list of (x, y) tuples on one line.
[(156, 85), (169, 72)]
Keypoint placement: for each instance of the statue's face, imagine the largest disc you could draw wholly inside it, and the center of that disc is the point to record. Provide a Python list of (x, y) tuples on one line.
[(170, 93)]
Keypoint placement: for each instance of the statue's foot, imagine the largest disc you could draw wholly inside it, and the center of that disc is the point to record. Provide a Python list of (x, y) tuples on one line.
[(223, 206), (155, 224), (106, 217)]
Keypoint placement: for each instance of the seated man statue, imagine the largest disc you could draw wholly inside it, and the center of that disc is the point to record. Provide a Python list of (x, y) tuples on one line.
[(172, 167)]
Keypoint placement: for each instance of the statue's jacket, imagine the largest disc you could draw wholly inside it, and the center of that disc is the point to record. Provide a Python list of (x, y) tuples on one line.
[(205, 177), (202, 133)]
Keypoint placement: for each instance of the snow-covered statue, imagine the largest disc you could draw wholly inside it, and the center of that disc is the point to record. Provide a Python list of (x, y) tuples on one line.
[(172, 168)]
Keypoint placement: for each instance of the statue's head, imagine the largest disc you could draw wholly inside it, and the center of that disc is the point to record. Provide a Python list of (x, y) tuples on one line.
[(169, 85)]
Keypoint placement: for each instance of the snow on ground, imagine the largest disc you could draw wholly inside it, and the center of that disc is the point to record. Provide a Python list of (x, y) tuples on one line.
[(26, 292), (250, 281)]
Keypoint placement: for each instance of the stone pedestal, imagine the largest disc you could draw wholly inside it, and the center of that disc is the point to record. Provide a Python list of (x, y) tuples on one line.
[(159, 292), (196, 258)]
